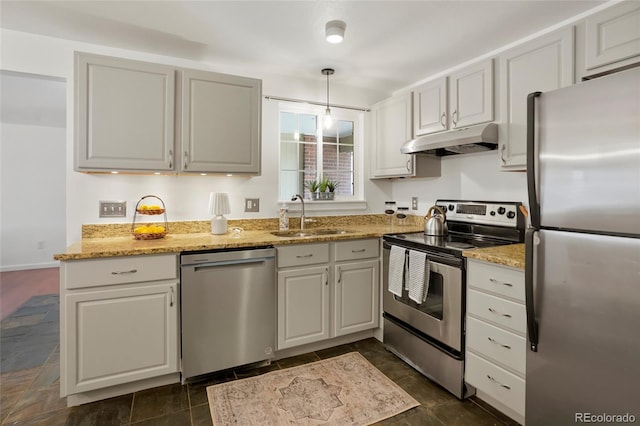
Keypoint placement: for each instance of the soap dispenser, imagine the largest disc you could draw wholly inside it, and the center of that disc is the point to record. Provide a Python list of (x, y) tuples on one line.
[(284, 217)]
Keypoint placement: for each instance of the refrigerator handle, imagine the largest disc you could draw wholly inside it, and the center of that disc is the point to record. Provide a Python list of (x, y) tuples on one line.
[(531, 243), (534, 207)]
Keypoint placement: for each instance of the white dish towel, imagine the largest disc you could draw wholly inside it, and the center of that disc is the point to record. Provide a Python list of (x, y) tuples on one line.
[(396, 270), (418, 276)]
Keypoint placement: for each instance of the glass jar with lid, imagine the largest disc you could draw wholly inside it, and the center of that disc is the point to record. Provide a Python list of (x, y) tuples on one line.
[(402, 216), (390, 210)]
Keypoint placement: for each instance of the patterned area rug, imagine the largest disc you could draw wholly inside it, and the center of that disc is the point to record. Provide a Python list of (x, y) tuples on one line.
[(345, 390)]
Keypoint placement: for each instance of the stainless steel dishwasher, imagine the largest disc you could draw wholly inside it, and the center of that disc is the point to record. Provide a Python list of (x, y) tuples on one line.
[(228, 309)]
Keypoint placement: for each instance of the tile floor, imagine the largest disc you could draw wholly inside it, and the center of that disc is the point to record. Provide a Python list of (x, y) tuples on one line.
[(29, 384)]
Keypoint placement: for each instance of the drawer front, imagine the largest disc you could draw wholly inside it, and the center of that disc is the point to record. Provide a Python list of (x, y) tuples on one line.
[(302, 254), (498, 311), (496, 279), (505, 387), (358, 249), (119, 270), (497, 344)]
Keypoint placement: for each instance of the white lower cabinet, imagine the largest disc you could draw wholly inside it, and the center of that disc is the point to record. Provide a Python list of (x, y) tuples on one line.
[(122, 332), (356, 297), (327, 290), (303, 306), (496, 336)]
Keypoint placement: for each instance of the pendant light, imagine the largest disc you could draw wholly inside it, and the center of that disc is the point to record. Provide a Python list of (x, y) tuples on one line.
[(328, 121)]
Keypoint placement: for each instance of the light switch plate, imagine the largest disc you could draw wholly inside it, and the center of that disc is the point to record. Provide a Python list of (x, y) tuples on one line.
[(252, 204), (113, 209)]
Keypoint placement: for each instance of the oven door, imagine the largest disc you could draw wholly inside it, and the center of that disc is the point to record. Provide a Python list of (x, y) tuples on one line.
[(439, 317)]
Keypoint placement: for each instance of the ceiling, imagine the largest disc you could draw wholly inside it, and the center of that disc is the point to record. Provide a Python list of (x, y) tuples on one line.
[(388, 44)]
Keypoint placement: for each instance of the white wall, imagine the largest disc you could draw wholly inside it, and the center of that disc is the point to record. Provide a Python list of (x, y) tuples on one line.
[(185, 196), (32, 170), (474, 177), (33, 197)]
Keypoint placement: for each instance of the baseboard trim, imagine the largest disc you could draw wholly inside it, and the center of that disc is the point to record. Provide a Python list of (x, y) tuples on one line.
[(110, 392), (11, 268)]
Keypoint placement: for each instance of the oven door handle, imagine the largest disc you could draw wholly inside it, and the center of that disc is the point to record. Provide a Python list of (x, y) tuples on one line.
[(443, 259)]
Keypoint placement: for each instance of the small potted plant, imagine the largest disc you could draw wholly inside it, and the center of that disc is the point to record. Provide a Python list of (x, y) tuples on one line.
[(312, 186)]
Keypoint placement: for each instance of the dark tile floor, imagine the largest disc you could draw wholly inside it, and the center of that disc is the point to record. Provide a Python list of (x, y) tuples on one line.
[(29, 384)]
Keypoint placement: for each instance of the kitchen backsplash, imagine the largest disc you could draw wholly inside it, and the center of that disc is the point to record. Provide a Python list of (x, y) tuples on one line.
[(204, 226)]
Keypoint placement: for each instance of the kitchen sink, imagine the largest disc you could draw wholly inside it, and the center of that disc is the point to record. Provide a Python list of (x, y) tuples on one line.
[(309, 233)]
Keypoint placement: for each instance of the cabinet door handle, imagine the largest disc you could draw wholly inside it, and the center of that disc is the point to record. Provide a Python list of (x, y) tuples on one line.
[(443, 120), (186, 159), (453, 119), (498, 383), (409, 165), (300, 256), (171, 302), (503, 148), (326, 276), (171, 159), (493, 311), (339, 275), (493, 280), (131, 271), (495, 342)]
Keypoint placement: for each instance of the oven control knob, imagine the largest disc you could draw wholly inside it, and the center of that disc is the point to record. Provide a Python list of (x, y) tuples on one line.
[(511, 214), (501, 210), (451, 207), (492, 213)]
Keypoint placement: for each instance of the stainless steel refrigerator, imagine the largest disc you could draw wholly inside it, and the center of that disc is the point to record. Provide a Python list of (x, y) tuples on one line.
[(583, 253)]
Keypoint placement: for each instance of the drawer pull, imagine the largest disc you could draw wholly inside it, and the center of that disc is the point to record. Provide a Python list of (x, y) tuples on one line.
[(493, 311), (498, 343), (498, 383), (358, 251), (131, 271), (300, 256), (493, 280)]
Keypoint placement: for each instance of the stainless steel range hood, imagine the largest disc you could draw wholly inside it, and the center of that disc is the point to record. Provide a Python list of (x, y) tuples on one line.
[(482, 137)]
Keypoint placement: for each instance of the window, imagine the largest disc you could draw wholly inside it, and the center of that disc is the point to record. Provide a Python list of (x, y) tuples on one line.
[(309, 152)]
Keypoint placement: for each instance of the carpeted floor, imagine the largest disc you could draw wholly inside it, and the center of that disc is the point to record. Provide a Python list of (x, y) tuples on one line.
[(344, 390)]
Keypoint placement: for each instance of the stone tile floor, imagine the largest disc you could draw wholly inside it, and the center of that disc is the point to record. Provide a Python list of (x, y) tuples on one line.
[(30, 370)]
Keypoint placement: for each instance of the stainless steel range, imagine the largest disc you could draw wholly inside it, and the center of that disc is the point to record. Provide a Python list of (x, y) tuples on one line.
[(429, 333)]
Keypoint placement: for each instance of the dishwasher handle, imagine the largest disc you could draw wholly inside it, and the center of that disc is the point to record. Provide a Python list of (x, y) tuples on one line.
[(210, 265)]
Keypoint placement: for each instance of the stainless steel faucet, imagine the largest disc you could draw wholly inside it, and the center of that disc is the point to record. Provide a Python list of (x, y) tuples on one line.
[(302, 217)]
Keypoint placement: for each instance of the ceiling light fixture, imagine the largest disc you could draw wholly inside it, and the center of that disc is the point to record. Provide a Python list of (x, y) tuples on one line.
[(334, 31), (328, 121)]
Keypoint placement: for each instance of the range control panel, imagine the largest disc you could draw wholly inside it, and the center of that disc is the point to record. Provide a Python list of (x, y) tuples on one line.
[(483, 212)]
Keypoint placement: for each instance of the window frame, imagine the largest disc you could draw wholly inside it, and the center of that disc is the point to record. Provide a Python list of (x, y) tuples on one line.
[(340, 202)]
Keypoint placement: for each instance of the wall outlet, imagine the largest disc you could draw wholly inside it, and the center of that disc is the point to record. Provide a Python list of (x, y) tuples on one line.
[(414, 203), (252, 204), (113, 209)]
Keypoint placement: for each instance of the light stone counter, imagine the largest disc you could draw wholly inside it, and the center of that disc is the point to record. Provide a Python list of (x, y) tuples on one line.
[(509, 255), (116, 240)]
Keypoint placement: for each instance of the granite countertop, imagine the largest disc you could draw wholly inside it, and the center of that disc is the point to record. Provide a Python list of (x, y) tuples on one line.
[(510, 255), (126, 245)]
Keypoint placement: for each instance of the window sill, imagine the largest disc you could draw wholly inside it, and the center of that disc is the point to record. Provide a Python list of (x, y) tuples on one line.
[(323, 206)]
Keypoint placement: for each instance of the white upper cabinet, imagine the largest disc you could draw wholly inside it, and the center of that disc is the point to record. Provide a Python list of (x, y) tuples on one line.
[(543, 64), (471, 95), (220, 123), (463, 99), (612, 37), (391, 128), (430, 108), (124, 114)]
